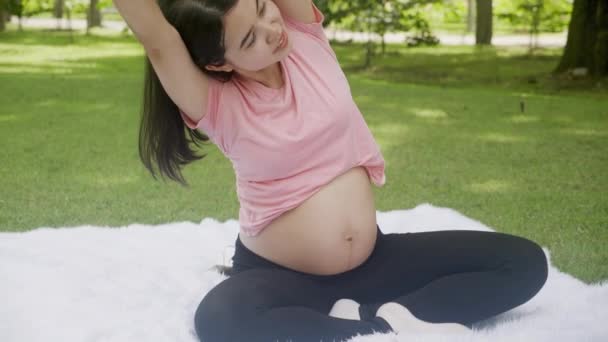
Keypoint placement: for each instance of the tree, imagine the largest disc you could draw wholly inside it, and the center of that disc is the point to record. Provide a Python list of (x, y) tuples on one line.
[(378, 17), (536, 15), (3, 14), (483, 32), (2, 23), (93, 15), (58, 9), (587, 44), (15, 7)]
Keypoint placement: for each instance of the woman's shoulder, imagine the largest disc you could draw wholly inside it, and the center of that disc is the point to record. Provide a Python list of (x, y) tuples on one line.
[(312, 30), (306, 45)]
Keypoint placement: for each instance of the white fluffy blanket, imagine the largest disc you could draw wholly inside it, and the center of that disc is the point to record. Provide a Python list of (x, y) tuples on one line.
[(143, 283)]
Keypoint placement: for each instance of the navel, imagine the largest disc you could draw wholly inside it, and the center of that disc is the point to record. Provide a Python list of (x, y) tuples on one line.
[(348, 235)]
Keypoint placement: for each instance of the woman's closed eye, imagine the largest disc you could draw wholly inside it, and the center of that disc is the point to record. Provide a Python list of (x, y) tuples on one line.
[(262, 12)]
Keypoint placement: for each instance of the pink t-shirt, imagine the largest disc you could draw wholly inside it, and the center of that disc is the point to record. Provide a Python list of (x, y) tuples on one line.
[(286, 144)]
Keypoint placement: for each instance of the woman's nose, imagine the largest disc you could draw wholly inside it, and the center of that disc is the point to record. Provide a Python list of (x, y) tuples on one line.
[(274, 33)]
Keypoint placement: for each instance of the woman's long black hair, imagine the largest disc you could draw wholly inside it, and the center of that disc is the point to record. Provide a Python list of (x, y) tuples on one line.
[(164, 139)]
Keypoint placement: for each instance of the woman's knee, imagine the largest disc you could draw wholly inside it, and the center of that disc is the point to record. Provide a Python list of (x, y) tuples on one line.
[(221, 310), (540, 264), (235, 303), (531, 264), (212, 315)]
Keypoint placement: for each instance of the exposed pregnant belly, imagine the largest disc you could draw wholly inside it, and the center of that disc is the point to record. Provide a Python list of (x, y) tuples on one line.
[(331, 232)]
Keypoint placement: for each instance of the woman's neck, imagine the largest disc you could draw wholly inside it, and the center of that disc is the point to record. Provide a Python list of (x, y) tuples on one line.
[(271, 77)]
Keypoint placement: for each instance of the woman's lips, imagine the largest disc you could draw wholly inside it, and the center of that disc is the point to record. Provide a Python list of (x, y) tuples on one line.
[(282, 41)]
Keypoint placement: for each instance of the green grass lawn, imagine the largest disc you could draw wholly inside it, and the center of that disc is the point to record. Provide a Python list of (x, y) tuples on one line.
[(448, 120)]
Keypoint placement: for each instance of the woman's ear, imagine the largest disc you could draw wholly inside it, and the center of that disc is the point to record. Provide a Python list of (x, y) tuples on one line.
[(225, 68)]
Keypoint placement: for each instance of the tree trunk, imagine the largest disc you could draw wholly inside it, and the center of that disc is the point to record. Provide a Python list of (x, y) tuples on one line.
[(369, 48), (470, 16), (536, 10), (370, 44), (3, 13), (483, 34), (587, 45), (58, 9), (93, 15)]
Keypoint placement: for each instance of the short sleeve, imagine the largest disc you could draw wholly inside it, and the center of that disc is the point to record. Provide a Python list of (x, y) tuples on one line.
[(315, 29), (210, 121)]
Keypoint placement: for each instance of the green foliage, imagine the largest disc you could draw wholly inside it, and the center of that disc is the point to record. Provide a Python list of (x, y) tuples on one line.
[(536, 15), (33, 7), (510, 15), (454, 11), (81, 6), (30, 8), (418, 23), (381, 17), (15, 7), (446, 11), (323, 6)]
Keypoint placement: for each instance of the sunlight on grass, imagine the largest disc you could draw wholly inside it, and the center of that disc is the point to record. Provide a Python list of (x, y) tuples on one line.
[(110, 180), (524, 119), (564, 119), (61, 59), (33, 53), (493, 185), (44, 68), (585, 132), (6, 118), (391, 134), (501, 138), (429, 113), (42, 103)]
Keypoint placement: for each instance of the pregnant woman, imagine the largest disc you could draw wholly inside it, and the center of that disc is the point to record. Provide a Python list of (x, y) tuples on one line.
[(260, 80)]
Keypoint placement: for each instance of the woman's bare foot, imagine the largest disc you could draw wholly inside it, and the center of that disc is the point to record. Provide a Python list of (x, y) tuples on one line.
[(401, 319)]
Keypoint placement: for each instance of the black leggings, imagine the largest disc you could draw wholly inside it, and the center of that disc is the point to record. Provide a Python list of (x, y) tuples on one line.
[(461, 276)]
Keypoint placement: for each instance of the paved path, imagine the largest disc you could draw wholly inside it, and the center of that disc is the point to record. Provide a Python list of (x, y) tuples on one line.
[(545, 40)]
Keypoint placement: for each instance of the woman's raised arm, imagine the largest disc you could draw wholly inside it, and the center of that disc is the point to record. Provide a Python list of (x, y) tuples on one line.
[(144, 17), (182, 80)]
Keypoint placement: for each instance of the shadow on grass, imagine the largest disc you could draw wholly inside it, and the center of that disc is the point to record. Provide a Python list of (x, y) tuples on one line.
[(503, 68)]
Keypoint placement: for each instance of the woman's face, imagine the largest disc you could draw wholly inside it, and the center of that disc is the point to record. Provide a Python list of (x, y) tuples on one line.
[(255, 36)]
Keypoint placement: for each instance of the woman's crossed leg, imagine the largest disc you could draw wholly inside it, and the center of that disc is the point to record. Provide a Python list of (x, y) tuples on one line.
[(274, 305), (453, 276), (440, 277)]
